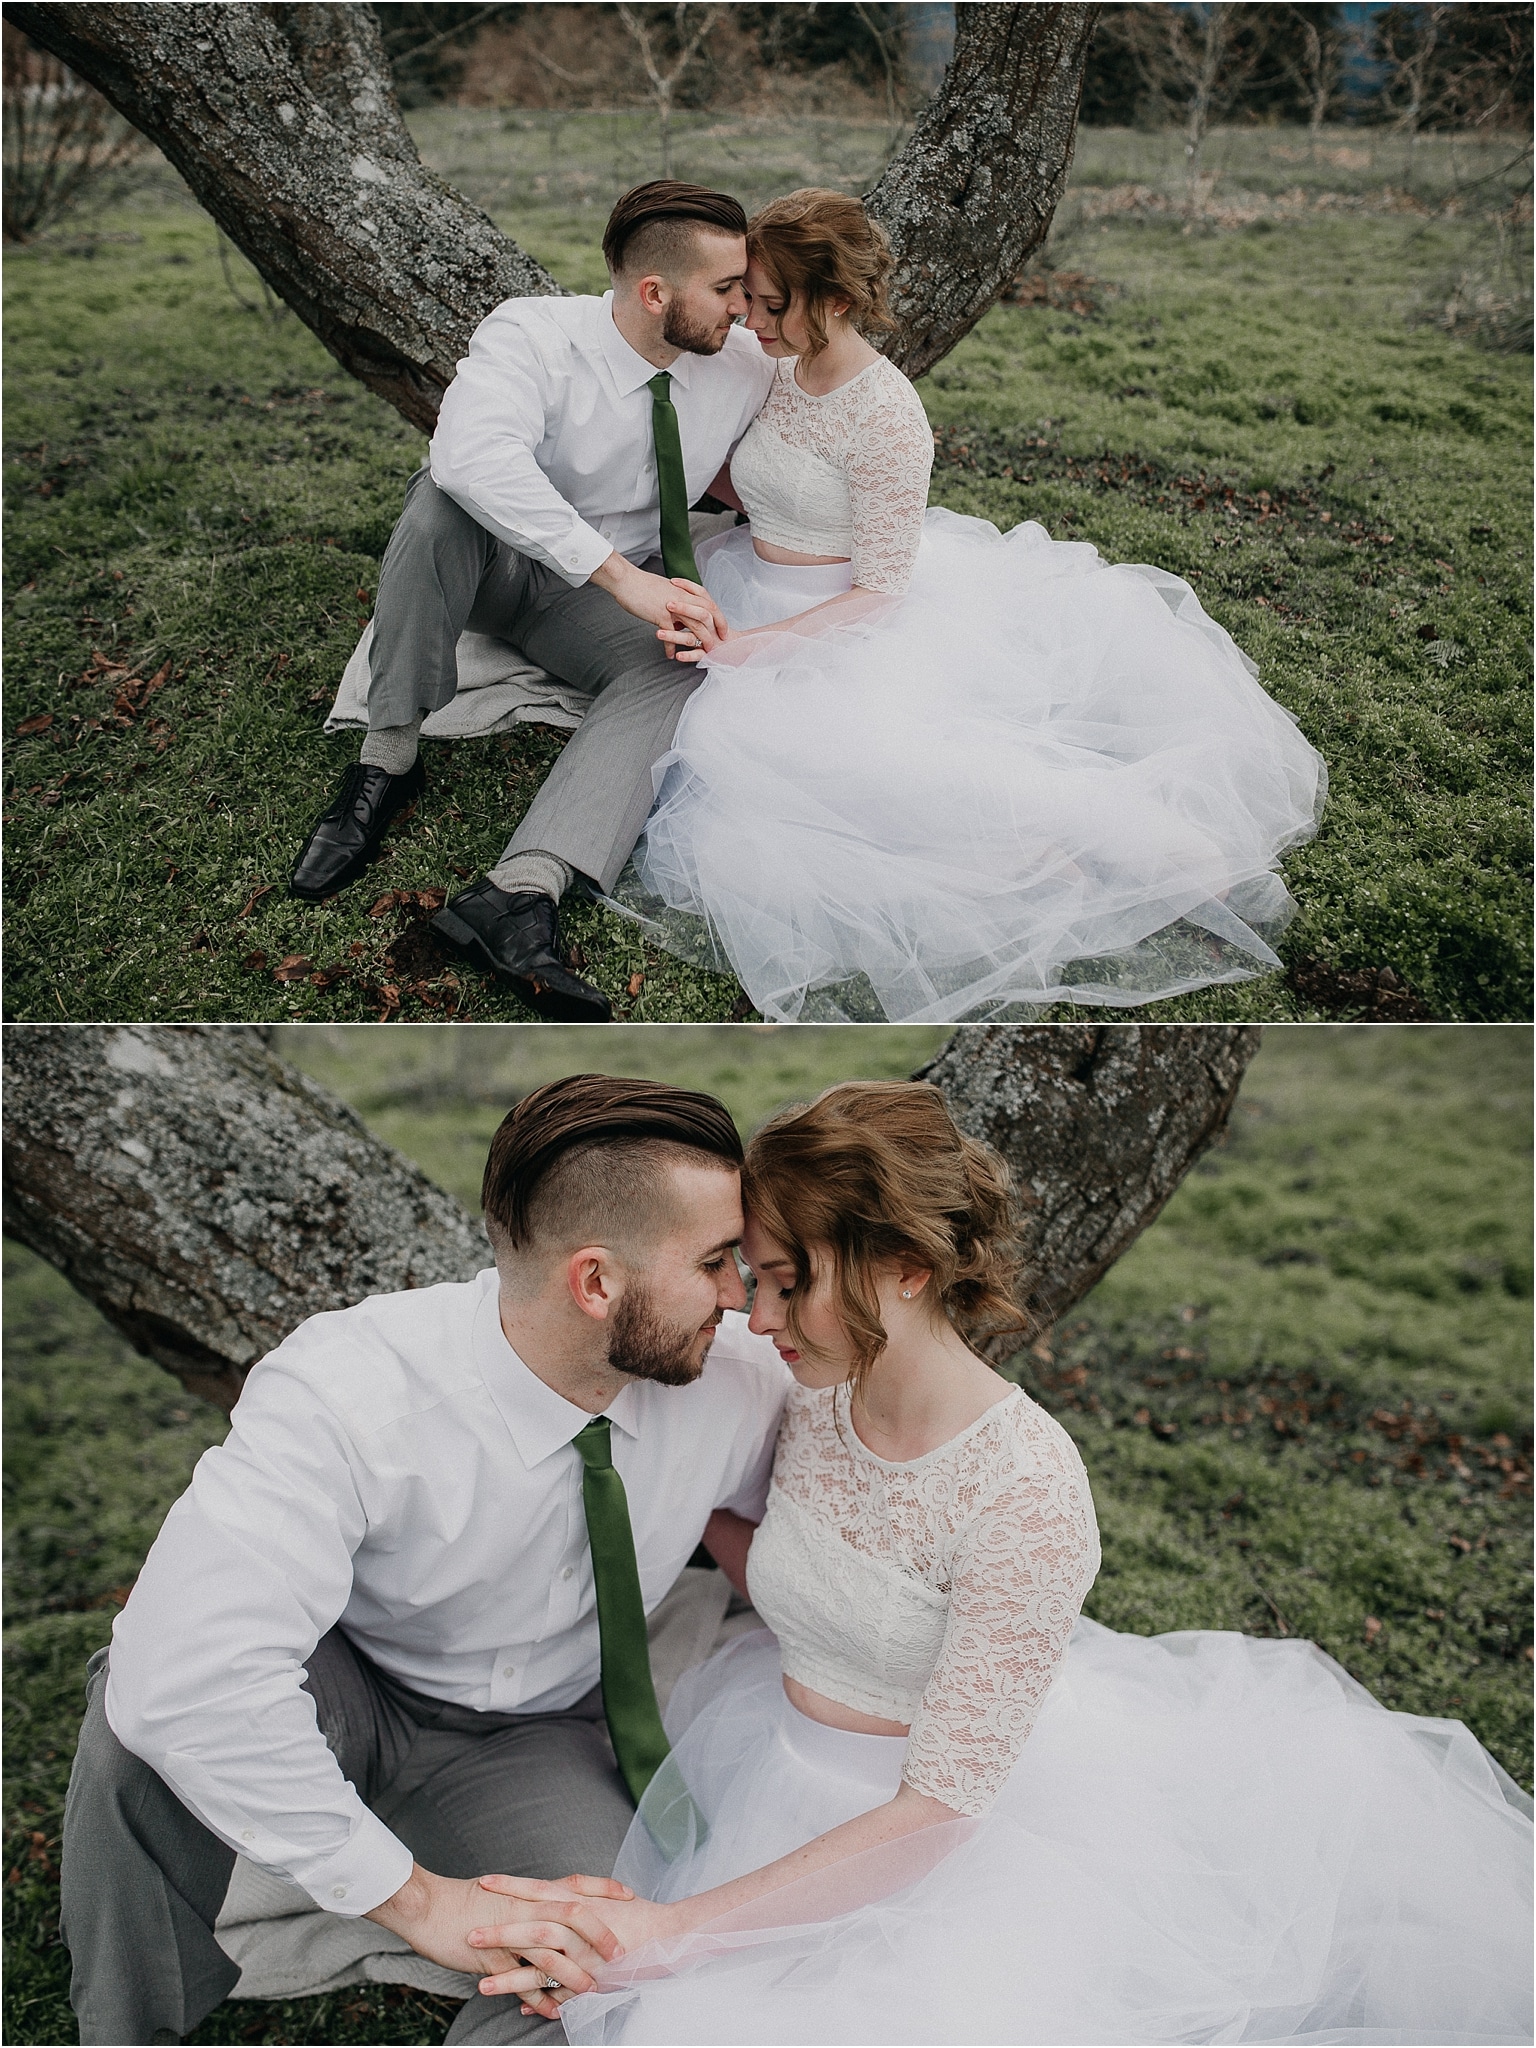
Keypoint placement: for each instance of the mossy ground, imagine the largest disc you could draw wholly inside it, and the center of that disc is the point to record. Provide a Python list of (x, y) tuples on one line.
[(197, 494), (1302, 1397)]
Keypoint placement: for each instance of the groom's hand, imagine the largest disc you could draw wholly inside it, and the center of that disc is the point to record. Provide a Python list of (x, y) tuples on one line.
[(544, 1929), (652, 597)]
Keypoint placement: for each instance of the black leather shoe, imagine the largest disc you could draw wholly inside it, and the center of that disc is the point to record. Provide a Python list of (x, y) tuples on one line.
[(518, 938), (347, 837)]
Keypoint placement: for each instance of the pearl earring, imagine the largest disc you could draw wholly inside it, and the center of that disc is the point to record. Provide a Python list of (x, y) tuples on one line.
[(906, 1294)]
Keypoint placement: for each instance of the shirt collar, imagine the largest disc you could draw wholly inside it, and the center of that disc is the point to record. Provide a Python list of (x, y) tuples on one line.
[(629, 368), (539, 1421)]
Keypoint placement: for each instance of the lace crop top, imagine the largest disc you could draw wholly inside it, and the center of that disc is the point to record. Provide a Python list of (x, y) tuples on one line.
[(843, 475), (939, 1593)]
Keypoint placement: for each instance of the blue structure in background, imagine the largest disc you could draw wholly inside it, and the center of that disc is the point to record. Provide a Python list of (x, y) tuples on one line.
[(1363, 72), (928, 35)]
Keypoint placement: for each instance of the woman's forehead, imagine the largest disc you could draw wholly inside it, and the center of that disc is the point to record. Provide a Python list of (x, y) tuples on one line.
[(760, 1248)]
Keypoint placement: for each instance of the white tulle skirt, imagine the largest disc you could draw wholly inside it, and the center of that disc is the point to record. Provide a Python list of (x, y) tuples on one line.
[(1207, 1838), (1035, 778)]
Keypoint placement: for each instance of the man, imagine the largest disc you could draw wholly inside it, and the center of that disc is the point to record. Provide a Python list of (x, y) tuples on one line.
[(568, 450), (392, 1637)]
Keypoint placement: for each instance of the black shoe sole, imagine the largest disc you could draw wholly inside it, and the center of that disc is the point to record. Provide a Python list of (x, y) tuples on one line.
[(545, 1002)]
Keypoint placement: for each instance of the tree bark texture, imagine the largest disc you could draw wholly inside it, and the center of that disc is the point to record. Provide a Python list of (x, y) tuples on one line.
[(972, 195), (1099, 1124), (284, 123), (207, 1198)]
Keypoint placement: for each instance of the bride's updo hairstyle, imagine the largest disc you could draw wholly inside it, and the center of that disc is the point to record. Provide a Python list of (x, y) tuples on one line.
[(819, 246), (877, 1170)]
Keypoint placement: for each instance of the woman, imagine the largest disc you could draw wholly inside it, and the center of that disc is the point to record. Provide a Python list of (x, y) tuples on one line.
[(936, 770), (914, 1813)]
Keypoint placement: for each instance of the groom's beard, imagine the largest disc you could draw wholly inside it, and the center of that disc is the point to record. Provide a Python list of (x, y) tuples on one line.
[(678, 331), (643, 1346)]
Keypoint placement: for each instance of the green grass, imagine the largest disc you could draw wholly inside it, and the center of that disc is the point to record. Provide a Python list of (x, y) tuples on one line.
[(187, 482), (1303, 1398)]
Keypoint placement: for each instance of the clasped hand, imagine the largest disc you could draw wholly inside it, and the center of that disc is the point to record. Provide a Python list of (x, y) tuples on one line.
[(627, 1923), (697, 627), (550, 1931)]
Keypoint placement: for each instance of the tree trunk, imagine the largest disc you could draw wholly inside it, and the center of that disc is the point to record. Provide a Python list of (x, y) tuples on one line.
[(207, 1198), (1099, 1124), (283, 121), (972, 195)]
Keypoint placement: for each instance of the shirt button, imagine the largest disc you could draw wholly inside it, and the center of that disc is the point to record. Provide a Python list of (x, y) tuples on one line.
[(509, 1671), (247, 1834), (338, 1891), (569, 1572)]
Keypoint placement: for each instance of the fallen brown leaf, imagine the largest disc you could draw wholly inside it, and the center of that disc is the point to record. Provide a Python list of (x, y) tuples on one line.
[(28, 726), (636, 983), (265, 890), (294, 968), (254, 962), (1372, 1628)]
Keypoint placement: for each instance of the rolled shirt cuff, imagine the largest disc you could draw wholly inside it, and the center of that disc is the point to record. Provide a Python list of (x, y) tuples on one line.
[(370, 1869), (582, 551)]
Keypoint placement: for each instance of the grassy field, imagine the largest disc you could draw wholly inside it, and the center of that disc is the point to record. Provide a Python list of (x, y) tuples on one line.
[(1250, 388), (1303, 1399)]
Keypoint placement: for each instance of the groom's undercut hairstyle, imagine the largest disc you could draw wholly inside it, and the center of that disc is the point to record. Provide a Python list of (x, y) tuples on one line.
[(654, 229), (589, 1160)]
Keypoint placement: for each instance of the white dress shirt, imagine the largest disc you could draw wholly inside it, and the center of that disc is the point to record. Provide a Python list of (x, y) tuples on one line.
[(544, 435), (397, 1468)]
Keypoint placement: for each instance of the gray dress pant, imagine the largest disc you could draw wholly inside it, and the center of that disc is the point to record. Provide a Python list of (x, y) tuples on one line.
[(537, 1795), (443, 574)]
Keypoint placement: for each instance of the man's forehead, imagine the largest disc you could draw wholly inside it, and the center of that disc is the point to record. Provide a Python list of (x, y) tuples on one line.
[(722, 257)]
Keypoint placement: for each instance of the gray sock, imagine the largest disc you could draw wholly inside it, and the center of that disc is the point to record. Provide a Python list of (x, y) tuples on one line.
[(392, 747), (546, 873)]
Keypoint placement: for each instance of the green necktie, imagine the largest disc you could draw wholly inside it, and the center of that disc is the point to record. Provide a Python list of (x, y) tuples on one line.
[(676, 543), (629, 1692)]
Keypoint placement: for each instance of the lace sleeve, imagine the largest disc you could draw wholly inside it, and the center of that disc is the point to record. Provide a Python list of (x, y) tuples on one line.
[(887, 465), (1018, 1580)]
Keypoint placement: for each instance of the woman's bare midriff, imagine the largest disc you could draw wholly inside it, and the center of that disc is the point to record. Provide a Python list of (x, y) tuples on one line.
[(833, 1714), (767, 552)]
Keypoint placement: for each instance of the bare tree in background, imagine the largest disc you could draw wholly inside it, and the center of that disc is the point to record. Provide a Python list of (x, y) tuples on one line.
[(1454, 66), (61, 141), (1406, 40), (1193, 63), (207, 1198), (646, 25), (1314, 62), (883, 36)]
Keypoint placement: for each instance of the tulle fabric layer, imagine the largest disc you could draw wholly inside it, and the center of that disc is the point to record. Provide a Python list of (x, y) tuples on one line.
[(1207, 1838), (1035, 778)]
